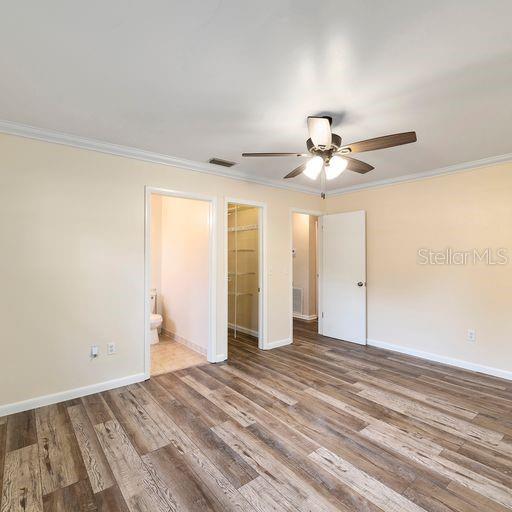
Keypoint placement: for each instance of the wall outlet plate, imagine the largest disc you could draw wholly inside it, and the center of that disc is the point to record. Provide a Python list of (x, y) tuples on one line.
[(111, 348), (471, 337), (95, 351)]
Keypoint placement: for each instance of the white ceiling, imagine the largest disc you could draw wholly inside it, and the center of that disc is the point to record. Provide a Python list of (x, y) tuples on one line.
[(200, 78)]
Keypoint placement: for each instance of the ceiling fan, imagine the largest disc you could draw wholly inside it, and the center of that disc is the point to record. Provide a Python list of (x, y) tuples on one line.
[(329, 157)]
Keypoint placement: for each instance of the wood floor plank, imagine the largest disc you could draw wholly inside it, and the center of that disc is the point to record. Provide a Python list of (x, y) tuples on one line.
[(59, 455), (188, 396), (435, 498), (111, 500), (165, 424), (264, 498), (191, 491), (219, 486), (463, 476), (286, 451), (433, 401), (260, 384), (98, 470), (21, 430), (140, 427), (137, 486), (76, 497), (22, 481), (473, 496), (294, 489), (379, 494), (490, 458), (436, 418), (97, 409), (403, 422), (185, 491), (231, 465)]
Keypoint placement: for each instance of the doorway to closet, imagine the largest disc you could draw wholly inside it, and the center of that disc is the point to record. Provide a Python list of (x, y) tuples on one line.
[(244, 255), (179, 282)]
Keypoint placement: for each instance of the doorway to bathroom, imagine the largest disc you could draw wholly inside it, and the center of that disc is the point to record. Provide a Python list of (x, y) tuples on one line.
[(244, 274), (179, 275)]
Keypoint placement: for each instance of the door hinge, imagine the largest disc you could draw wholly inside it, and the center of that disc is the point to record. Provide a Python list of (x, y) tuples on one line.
[(322, 314)]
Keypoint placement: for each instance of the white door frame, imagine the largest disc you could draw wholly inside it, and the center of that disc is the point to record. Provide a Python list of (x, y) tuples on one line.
[(212, 270), (262, 261), (319, 260)]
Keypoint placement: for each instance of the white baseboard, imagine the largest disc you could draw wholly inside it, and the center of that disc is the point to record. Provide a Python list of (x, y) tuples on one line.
[(184, 341), (466, 365), (278, 343), (219, 358), (54, 398), (307, 318), (245, 330)]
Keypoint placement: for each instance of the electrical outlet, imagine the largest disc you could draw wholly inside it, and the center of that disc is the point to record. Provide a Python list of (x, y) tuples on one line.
[(95, 351), (111, 348), (471, 337)]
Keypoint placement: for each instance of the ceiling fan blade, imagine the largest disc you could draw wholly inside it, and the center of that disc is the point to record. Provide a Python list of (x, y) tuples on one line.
[(276, 154), (357, 166), (296, 171), (320, 131), (387, 141)]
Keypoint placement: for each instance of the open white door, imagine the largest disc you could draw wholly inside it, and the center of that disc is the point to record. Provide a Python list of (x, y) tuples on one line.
[(343, 276)]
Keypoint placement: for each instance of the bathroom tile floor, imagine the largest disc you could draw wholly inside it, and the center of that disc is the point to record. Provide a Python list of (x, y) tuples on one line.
[(169, 355)]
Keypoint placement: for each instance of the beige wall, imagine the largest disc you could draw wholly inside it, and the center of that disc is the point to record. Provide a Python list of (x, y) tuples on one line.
[(72, 259), (184, 269), (72, 231), (304, 259), (430, 308)]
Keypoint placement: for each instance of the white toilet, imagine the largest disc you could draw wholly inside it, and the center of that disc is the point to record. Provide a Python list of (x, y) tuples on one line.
[(155, 320)]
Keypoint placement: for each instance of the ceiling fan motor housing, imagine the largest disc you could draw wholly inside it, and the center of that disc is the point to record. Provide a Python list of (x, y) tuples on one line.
[(335, 144)]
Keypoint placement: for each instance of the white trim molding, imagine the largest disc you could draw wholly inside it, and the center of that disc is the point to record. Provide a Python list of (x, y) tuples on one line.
[(212, 355), (441, 171), (183, 341), (459, 363), (307, 318), (263, 299), (278, 343), (244, 330), (70, 394), (55, 137)]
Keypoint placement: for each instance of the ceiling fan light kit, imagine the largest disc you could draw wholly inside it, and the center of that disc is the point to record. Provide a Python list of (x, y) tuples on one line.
[(335, 167), (314, 167), (329, 158)]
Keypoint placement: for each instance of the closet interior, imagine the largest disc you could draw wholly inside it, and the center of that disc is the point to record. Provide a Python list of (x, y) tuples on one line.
[(243, 271)]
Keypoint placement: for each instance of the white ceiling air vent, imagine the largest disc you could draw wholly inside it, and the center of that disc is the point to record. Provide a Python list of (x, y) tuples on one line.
[(219, 161)]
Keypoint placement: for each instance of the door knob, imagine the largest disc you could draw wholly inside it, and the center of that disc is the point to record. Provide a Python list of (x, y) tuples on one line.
[(360, 283)]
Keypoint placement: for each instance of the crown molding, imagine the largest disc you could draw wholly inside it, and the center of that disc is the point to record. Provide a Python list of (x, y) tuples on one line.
[(451, 169), (76, 141), (55, 137)]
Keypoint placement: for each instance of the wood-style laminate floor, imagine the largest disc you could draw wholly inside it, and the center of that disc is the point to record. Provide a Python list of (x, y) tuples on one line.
[(320, 425)]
